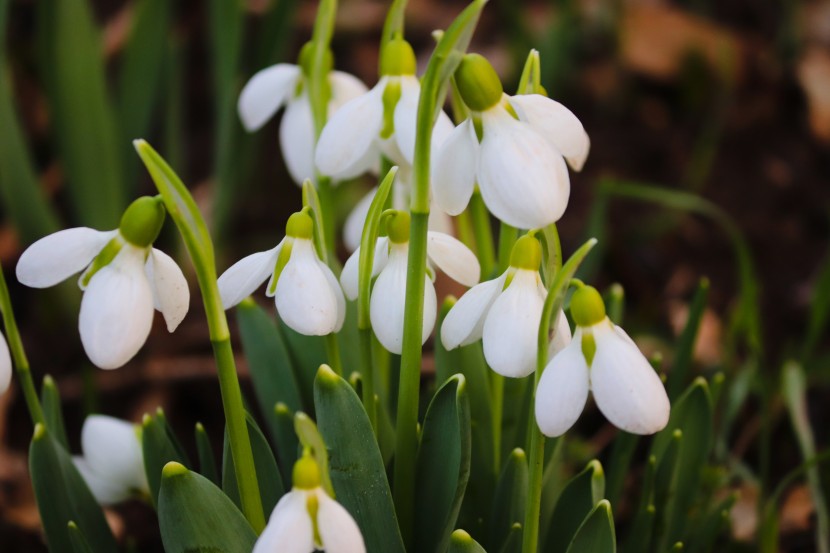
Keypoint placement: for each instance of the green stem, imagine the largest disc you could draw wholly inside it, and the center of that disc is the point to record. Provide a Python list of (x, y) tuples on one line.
[(333, 353), (483, 234), (497, 403), (21, 363), (368, 375), (326, 194), (507, 237)]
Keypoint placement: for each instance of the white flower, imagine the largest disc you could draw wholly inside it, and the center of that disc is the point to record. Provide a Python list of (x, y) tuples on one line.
[(386, 305), (5, 365), (285, 84), (506, 319), (125, 278), (305, 291), (603, 359), (519, 160), (113, 463)]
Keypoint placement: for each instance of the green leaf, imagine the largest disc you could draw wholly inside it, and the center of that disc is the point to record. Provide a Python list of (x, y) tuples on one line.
[(640, 533), (271, 487), (510, 499), (513, 542), (577, 500), (596, 533), (77, 539), (159, 446), (462, 542), (442, 466), (286, 443), (819, 311), (50, 399), (679, 374), (621, 454), (307, 354), (196, 517), (712, 526), (356, 466), (207, 464), (63, 496)]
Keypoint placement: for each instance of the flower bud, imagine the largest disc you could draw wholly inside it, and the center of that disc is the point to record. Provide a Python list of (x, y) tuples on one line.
[(526, 253), (397, 227), (478, 83), (587, 307), (300, 225), (306, 474), (142, 221), (397, 58)]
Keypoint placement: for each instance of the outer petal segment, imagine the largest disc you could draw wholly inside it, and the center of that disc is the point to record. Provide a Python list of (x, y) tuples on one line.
[(171, 295), (557, 124), (454, 170), (289, 529), (113, 453), (58, 256), (453, 257), (562, 391), (464, 324), (267, 90), (297, 139), (338, 530), (246, 275)]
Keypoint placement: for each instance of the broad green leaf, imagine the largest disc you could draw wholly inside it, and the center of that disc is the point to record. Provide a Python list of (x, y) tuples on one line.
[(579, 497), (462, 542), (356, 466), (443, 465), (159, 446), (77, 539), (640, 533), (711, 526), (307, 354), (207, 463), (618, 464), (196, 517), (596, 534), (50, 400), (666, 483), (63, 496), (271, 487), (679, 374), (510, 499), (310, 437)]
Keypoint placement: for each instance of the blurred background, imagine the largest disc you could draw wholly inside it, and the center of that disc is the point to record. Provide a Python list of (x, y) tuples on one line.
[(708, 178)]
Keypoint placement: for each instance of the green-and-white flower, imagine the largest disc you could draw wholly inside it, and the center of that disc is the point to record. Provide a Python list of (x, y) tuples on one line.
[(125, 278), (305, 291), (505, 313), (603, 359)]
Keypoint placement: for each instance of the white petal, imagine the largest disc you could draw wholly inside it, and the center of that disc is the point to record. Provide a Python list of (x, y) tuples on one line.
[(512, 326), (246, 275), (113, 452), (305, 298), (350, 133), (58, 256), (267, 90), (289, 529), (344, 87), (104, 491), (523, 180), (627, 390), (561, 335), (562, 391), (440, 221), (171, 295), (454, 169), (338, 295), (297, 139), (464, 324), (5, 365), (406, 115), (117, 310), (454, 258), (353, 228), (557, 124), (338, 530), (350, 274)]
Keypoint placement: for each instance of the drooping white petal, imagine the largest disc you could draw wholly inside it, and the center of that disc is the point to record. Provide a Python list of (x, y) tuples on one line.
[(117, 310), (464, 324), (454, 169), (627, 390), (557, 124), (58, 256), (246, 275), (171, 295), (112, 451), (305, 298), (338, 530), (349, 276), (453, 257), (297, 139), (265, 92), (289, 530), (523, 180), (562, 391), (353, 227), (5, 365), (344, 87), (561, 335), (351, 132), (512, 326), (104, 491), (338, 295), (440, 221)]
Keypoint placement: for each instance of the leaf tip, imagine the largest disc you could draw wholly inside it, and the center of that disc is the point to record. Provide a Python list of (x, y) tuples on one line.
[(282, 409), (518, 455), (247, 303), (48, 381), (326, 376), (604, 505), (460, 536), (173, 469), (40, 431)]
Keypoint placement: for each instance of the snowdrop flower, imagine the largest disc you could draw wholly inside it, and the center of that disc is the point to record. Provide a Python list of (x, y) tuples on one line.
[(286, 84), (386, 305), (380, 121), (113, 463), (513, 147), (307, 519), (505, 313), (125, 278), (603, 359), (306, 292), (5, 365)]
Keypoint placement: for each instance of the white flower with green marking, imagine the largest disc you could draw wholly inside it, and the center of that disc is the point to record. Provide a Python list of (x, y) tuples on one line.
[(112, 463), (386, 305), (505, 313), (307, 519), (305, 291), (513, 147), (603, 359), (286, 85), (5, 365), (124, 278)]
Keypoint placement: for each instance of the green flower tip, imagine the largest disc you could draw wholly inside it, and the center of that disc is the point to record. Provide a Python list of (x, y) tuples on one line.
[(306, 474), (306, 59), (478, 83), (397, 227), (40, 431), (397, 58), (172, 469), (300, 225), (526, 253), (142, 221), (587, 307)]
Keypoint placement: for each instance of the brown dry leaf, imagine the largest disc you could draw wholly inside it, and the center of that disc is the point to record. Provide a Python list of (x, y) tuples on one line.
[(744, 515), (797, 510), (814, 77), (708, 345), (656, 39)]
